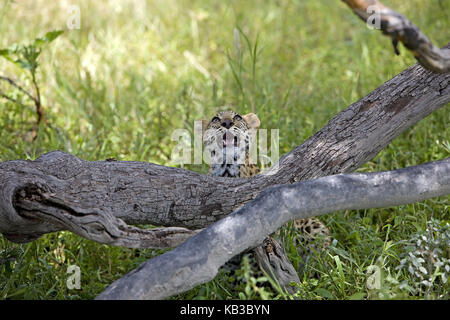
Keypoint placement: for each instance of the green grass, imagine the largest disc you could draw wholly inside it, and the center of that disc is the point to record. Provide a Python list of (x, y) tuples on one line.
[(120, 85)]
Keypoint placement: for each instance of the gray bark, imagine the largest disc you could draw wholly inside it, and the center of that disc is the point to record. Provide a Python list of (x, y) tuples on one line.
[(97, 199), (272, 258), (198, 259)]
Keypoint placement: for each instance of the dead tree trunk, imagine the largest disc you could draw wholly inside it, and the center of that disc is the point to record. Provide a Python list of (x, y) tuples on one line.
[(197, 260), (97, 199)]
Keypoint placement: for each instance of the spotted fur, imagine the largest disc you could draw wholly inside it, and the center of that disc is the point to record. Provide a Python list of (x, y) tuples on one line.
[(227, 140)]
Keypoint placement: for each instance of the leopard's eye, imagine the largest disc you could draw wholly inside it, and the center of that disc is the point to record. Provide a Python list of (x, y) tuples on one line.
[(215, 119), (237, 117)]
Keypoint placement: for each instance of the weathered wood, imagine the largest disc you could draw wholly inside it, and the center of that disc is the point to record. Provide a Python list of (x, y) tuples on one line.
[(197, 260), (399, 28), (59, 191), (272, 258)]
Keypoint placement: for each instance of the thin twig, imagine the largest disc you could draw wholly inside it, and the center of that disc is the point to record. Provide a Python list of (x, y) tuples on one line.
[(14, 84), (37, 102), (3, 95)]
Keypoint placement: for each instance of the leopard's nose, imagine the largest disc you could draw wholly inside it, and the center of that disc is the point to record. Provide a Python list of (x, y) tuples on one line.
[(228, 123)]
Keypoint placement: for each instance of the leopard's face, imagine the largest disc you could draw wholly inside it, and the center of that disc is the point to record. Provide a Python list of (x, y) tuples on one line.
[(227, 142)]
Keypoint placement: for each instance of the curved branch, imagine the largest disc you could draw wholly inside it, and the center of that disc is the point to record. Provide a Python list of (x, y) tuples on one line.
[(401, 29), (197, 260), (95, 199)]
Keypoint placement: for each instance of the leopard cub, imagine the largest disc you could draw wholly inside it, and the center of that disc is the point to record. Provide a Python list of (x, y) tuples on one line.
[(227, 139)]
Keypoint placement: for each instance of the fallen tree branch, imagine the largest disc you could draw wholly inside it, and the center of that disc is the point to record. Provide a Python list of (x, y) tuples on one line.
[(197, 260), (401, 29), (96, 200)]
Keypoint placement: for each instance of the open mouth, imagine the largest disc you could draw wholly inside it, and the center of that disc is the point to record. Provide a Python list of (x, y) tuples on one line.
[(229, 139)]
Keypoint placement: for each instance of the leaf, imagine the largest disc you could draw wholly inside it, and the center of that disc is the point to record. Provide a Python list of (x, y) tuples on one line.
[(344, 254), (339, 266), (248, 291), (423, 270), (426, 283), (411, 270), (21, 290), (52, 35), (324, 293), (14, 48), (49, 37), (4, 52), (25, 64), (262, 279), (357, 296)]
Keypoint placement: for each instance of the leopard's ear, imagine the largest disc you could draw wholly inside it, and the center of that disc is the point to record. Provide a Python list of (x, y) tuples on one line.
[(252, 120)]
